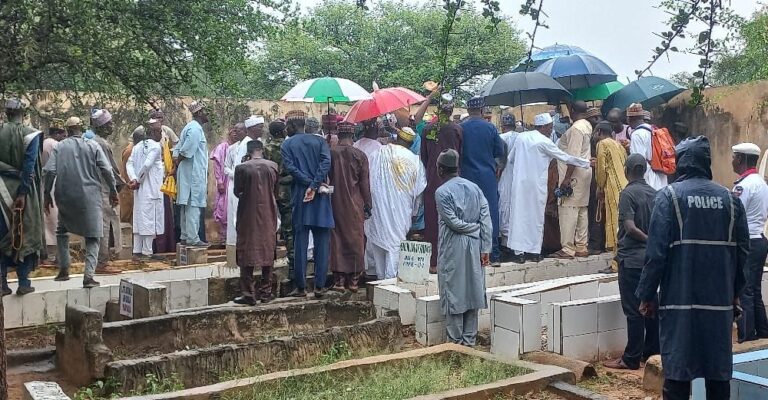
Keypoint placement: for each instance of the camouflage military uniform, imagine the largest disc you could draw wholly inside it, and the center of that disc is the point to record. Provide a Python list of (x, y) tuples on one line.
[(284, 205)]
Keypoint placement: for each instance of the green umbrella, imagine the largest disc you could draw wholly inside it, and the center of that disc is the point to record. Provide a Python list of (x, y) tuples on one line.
[(598, 92)]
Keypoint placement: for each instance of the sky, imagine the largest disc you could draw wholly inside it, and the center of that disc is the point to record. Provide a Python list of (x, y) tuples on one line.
[(620, 32)]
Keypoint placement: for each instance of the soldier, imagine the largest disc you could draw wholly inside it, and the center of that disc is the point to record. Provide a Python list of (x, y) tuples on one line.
[(284, 205)]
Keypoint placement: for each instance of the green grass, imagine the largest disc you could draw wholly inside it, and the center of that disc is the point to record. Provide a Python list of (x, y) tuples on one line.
[(392, 381)]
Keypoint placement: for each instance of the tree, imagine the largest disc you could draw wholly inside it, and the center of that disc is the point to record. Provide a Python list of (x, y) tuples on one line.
[(142, 49), (749, 62), (391, 42)]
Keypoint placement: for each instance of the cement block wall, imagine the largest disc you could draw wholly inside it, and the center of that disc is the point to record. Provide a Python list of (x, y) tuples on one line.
[(187, 288)]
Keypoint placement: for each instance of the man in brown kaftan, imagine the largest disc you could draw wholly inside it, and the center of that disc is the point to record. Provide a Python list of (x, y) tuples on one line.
[(351, 203), (255, 182)]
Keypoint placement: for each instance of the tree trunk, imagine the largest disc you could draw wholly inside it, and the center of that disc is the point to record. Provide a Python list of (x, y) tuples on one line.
[(3, 364)]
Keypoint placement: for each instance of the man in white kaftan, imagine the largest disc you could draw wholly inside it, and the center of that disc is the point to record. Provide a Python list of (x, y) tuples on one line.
[(530, 171), (146, 172), (397, 179), (641, 143), (465, 242), (505, 181)]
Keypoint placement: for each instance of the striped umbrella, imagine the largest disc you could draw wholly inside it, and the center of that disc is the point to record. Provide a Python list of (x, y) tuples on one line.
[(321, 90)]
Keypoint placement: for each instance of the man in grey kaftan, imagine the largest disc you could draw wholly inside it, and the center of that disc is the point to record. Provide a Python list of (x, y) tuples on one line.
[(78, 167), (464, 244)]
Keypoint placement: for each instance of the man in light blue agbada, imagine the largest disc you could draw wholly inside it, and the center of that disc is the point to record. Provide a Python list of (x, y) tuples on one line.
[(464, 244), (191, 157)]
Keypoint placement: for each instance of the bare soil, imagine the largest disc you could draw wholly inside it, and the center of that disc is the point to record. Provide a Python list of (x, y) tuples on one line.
[(31, 338), (619, 384)]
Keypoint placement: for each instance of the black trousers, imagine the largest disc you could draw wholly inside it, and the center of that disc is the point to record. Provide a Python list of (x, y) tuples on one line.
[(681, 390), (642, 333), (754, 323)]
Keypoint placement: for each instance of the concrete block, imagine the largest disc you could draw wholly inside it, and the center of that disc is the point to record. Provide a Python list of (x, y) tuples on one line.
[(586, 290), (610, 344), (483, 322), (610, 288), (579, 319), (106, 280), (434, 311), (37, 390), (531, 327), (436, 333), (33, 309), (157, 276), (13, 311), (149, 299), (206, 271), (178, 294), (180, 274), (556, 295), (507, 316), (505, 343), (78, 297), (514, 277), (407, 308), (198, 293), (581, 347), (55, 305), (552, 334), (114, 292), (98, 298), (194, 256), (610, 315)]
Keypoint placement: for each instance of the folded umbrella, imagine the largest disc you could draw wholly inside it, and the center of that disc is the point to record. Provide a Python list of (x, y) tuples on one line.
[(578, 71), (650, 91), (384, 101), (519, 88)]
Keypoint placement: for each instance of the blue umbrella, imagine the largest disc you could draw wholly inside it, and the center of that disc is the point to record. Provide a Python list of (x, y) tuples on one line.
[(578, 71), (548, 53), (650, 91)]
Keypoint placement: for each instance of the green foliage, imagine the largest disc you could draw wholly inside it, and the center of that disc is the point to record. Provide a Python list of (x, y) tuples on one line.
[(394, 380), (710, 13), (340, 351), (140, 49), (109, 389), (393, 43), (535, 13), (749, 62)]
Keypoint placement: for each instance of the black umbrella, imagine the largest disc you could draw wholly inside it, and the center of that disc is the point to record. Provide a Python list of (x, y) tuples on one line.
[(519, 88)]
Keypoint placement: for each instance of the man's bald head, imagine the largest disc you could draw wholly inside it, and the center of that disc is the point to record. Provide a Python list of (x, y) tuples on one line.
[(579, 107), (615, 118)]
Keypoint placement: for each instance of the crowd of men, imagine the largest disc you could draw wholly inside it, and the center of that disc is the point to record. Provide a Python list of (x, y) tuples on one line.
[(352, 193)]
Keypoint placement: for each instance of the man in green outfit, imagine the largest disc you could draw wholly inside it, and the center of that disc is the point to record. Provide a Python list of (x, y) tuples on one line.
[(21, 225), (284, 205)]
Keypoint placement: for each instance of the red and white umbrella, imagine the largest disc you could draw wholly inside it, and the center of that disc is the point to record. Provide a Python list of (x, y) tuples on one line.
[(384, 101)]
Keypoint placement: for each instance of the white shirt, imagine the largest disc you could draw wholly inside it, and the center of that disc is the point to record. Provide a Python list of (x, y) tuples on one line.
[(529, 161), (753, 193), (641, 144)]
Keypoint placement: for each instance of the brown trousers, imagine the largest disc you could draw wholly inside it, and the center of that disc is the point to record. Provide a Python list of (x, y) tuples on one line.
[(247, 284)]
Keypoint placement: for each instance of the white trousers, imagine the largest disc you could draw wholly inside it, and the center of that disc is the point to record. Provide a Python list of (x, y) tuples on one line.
[(574, 223), (385, 261), (142, 244)]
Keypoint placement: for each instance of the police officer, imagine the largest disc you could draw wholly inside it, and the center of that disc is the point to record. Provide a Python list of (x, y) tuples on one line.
[(284, 205), (752, 190), (697, 248)]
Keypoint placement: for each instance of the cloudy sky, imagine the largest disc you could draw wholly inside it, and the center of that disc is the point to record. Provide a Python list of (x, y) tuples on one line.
[(620, 32)]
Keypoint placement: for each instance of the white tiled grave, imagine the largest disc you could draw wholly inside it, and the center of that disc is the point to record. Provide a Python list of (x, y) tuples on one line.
[(187, 287), (508, 274), (588, 329), (430, 321)]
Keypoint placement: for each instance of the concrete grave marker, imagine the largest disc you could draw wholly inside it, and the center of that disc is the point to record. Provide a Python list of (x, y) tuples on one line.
[(413, 264), (126, 298)]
